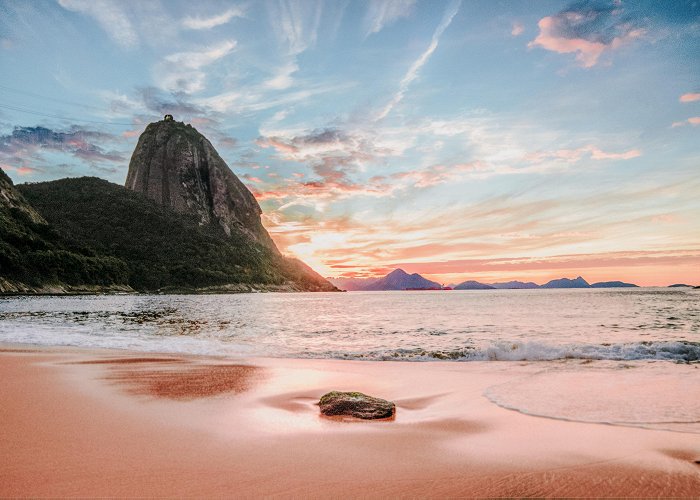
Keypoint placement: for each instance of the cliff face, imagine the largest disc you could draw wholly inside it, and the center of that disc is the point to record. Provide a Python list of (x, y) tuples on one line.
[(174, 165), (10, 198)]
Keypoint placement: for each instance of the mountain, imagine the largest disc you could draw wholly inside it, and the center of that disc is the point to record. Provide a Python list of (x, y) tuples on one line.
[(613, 284), (35, 258), (176, 166), (473, 285), (679, 285), (515, 285), (352, 284), (398, 279), (579, 282), (184, 222), (160, 247)]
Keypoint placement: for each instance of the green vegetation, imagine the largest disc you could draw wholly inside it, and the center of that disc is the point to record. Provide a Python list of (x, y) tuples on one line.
[(33, 253), (148, 246)]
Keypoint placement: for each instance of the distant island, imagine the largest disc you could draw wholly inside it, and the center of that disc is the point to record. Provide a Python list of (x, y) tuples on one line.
[(183, 223), (398, 279)]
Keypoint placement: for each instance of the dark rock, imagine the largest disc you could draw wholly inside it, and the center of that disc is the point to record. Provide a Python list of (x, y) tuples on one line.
[(176, 166), (356, 404)]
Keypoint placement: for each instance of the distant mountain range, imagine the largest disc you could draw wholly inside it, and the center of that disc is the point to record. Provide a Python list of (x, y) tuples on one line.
[(398, 279)]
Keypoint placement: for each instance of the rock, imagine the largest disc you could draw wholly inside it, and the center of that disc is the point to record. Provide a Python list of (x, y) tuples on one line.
[(12, 199), (356, 404), (176, 166)]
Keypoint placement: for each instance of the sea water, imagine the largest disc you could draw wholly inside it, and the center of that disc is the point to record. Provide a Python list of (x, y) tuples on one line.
[(516, 325), (617, 356)]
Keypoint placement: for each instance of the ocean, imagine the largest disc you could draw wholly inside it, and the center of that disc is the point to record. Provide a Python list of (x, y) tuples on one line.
[(618, 356), (498, 325)]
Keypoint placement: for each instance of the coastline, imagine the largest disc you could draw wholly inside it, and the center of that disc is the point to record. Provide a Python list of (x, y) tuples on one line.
[(80, 422), (17, 289)]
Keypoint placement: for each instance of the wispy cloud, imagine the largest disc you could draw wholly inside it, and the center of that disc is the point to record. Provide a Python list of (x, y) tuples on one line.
[(381, 13), (588, 30), (110, 15), (205, 23), (517, 28), (295, 23), (25, 145), (333, 155), (693, 120), (574, 155), (415, 68), (282, 78), (690, 97), (557, 262), (182, 71), (251, 99)]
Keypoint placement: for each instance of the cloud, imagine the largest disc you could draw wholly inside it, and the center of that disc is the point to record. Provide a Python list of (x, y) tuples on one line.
[(575, 261), (258, 98), (440, 174), (205, 23), (574, 155), (283, 76), (415, 68), (27, 143), (145, 104), (382, 13), (295, 23), (110, 15), (23, 170), (333, 155), (334, 147), (588, 30), (693, 120), (181, 71), (517, 29), (690, 97)]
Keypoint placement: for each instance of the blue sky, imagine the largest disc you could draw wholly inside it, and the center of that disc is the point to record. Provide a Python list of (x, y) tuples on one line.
[(489, 140)]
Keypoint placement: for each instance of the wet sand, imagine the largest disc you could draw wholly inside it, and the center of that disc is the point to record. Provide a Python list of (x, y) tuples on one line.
[(110, 423)]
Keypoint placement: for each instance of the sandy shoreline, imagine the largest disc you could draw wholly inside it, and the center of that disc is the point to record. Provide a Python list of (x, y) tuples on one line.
[(111, 423)]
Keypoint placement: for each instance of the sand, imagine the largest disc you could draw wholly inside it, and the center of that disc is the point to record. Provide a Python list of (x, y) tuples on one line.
[(109, 423)]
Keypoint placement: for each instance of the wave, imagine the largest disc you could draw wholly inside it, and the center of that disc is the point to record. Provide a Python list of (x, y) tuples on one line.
[(679, 351)]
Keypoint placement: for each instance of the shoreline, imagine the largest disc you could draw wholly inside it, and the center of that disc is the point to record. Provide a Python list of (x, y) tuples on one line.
[(102, 422)]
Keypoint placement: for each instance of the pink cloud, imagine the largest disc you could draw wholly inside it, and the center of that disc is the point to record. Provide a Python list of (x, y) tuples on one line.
[(131, 133), (690, 97), (598, 154), (693, 120), (23, 170), (439, 174), (552, 36), (517, 29), (574, 155), (579, 261)]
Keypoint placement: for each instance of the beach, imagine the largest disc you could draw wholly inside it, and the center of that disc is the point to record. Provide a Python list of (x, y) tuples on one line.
[(89, 422)]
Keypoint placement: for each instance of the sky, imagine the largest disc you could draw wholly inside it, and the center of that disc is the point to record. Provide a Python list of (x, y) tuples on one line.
[(488, 140)]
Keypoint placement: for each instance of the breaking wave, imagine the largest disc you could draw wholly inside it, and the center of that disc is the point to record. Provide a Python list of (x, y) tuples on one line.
[(679, 351)]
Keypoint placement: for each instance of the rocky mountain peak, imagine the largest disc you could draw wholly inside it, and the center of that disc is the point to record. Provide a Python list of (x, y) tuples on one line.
[(176, 166)]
